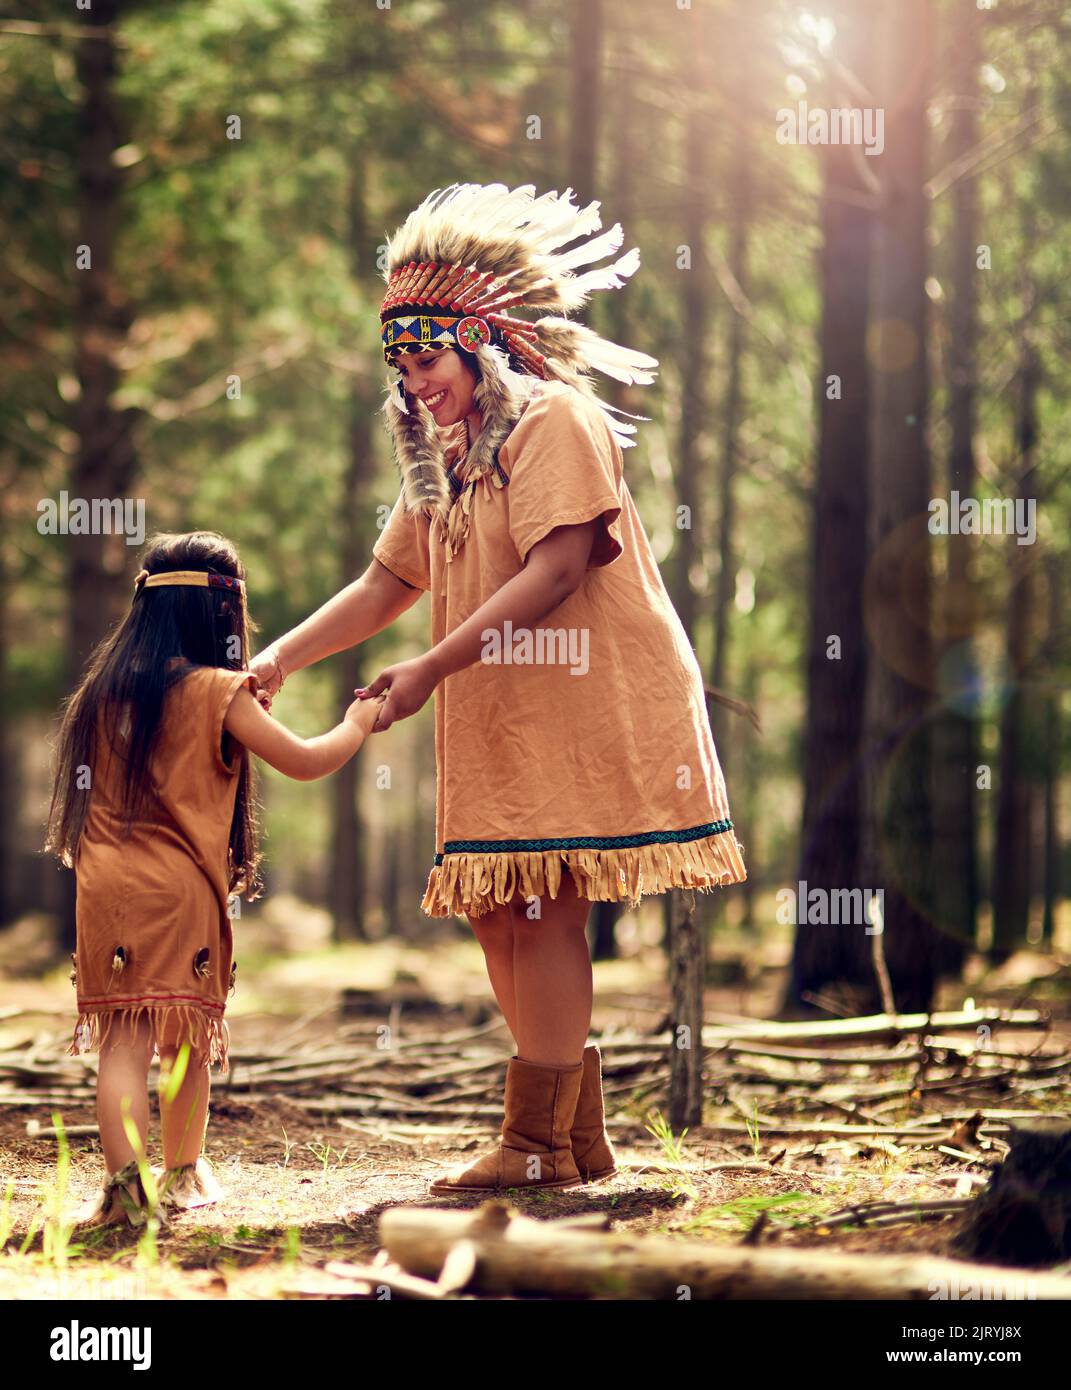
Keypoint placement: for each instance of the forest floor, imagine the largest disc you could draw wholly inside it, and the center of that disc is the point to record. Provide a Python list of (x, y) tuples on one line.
[(305, 1188)]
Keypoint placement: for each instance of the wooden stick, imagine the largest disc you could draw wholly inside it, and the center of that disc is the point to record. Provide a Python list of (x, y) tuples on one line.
[(397, 1280), (36, 1130), (873, 1026), (875, 1213)]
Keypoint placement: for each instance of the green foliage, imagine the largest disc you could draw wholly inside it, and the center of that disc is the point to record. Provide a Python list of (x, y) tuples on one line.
[(256, 258)]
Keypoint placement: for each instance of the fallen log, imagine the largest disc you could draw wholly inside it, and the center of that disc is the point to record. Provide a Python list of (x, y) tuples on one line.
[(515, 1254)]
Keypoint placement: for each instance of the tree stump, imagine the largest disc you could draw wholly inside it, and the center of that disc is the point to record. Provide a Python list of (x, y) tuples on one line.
[(1023, 1217)]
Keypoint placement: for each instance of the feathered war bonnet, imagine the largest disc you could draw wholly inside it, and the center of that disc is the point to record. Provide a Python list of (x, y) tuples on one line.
[(456, 265)]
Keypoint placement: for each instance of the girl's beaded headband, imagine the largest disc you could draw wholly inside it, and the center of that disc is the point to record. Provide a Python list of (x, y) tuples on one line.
[(203, 579)]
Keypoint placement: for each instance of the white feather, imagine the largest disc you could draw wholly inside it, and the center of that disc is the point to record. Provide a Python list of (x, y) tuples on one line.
[(592, 250), (609, 277)]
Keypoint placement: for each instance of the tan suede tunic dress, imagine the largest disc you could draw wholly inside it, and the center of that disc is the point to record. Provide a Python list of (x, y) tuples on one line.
[(584, 743), (153, 930)]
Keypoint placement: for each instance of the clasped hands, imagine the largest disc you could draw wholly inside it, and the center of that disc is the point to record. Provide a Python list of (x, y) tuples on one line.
[(408, 685)]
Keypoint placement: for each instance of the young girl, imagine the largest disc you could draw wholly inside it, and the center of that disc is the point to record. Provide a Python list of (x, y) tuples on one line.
[(154, 807)]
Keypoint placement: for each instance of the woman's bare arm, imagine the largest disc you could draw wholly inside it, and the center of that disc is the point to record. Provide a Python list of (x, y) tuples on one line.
[(357, 612), (553, 570)]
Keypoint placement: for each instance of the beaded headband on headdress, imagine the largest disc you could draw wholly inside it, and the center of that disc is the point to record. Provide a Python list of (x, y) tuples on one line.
[(460, 260), (198, 578), (452, 293)]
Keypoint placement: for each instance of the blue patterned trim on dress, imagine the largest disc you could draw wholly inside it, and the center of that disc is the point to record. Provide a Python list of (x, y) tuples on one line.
[(650, 837)]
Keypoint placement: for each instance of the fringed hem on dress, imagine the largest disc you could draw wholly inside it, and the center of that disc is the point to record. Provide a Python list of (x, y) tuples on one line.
[(207, 1033), (472, 884)]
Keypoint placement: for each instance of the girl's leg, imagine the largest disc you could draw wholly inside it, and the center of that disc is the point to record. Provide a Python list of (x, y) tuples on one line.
[(183, 1119), (123, 1074), (552, 977)]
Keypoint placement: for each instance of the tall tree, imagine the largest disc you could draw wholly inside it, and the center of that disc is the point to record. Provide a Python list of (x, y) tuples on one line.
[(687, 943), (955, 735), (836, 649), (588, 56), (737, 42), (1052, 753), (1018, 782), (105, 463), (896, 828), (348, 856)]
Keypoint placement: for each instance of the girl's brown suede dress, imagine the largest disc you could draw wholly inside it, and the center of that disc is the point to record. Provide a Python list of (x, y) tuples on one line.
[(153, 929)]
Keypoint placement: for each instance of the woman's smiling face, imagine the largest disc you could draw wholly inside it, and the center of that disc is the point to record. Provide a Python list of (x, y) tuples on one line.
[(442, 380)]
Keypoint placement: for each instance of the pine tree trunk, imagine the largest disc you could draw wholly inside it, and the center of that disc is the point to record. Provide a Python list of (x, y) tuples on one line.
[(586, 125), (390, 885), (687, 963), (105, 463), (683, 924), (955, 735), (1016, 792), (348, 848), (896, 828), (1053, 760), (1021, 718), (836, 675), (9, 895)]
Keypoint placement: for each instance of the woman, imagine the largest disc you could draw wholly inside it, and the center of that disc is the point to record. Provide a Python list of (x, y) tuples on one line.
[(574, 758)]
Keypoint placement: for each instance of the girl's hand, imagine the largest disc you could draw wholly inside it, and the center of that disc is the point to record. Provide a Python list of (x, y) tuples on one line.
[(407, 684), (363, 713)]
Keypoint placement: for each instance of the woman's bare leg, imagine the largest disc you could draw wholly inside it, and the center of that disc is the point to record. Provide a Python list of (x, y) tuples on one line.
[(540, 970), (184, 1119), (552, 980), (494, 931), (123, 1074)]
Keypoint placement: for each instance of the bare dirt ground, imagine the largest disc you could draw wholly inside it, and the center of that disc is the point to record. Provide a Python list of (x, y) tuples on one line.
[(306, 1187)]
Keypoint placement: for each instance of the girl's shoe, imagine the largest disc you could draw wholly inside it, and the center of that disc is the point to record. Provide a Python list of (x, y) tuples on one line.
[(534, 1152), (189, 1185), (122, 1199), (592, 1150)]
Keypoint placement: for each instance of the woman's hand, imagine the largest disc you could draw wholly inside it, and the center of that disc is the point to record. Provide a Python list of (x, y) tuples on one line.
[(408, 685), (269, 673)]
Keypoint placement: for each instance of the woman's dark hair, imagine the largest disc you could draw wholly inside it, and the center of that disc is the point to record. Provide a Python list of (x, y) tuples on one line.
[(131, 672)]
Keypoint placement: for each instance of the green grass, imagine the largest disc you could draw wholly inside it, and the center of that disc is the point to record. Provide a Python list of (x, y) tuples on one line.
[(322, 1153), (7, 1224), (292, 1248), (148, 1255), (743, 1212), (753, 1128), (675, 1178), (57, 1229)]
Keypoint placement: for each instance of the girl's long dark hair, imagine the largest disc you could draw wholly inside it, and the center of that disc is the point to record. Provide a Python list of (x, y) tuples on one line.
[(129, 674)]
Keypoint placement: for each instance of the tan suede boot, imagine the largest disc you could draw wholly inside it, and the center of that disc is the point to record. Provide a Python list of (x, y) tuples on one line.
[(592, 1150), (534, 1152)]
